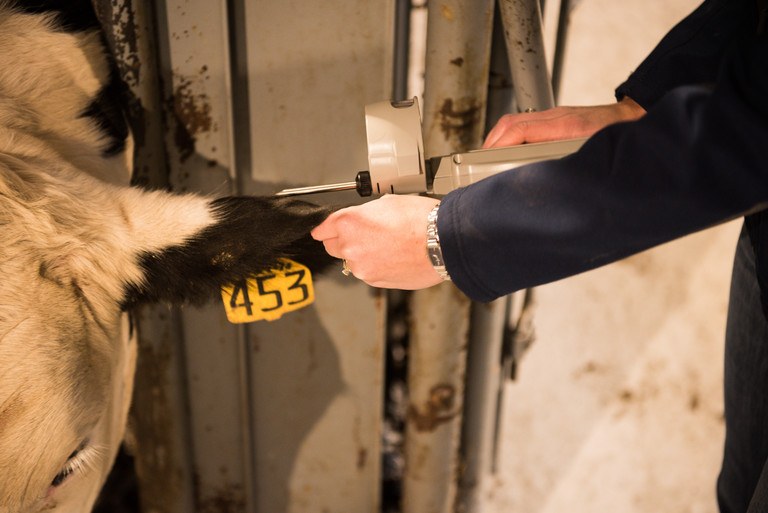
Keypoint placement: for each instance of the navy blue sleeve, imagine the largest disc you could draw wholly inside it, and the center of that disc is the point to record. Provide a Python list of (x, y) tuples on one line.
[(697, 158), (691, 53)]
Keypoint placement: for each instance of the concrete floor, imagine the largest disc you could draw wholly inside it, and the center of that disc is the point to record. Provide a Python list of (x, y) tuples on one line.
[(618, 406)]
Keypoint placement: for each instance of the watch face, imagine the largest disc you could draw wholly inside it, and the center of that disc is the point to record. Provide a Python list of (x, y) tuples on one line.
[(435, 256)]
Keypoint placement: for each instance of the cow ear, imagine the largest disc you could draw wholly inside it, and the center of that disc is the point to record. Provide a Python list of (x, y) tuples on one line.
[(232, 238)]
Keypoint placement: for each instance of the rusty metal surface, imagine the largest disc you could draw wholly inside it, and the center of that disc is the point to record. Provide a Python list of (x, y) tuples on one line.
[(284, 416), (522, 29), (456, 75), (436, 369), (158, 419), (456, 84), (129, 27), (527, 58), (198, 85)]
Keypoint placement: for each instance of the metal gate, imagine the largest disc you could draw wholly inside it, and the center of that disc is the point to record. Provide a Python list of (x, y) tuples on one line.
[(249, 97)]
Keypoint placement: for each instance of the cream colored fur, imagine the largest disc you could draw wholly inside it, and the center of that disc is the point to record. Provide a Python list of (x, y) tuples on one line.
[(69, 246)]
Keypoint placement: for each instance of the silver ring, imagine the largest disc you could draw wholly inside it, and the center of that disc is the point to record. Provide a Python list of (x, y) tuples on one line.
[(345, 270)]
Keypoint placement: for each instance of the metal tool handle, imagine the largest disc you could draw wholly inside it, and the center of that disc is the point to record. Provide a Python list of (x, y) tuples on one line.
[(462, 169)]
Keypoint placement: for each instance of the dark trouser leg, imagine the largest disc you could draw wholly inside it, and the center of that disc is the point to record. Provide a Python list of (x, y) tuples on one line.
[(743, 482)]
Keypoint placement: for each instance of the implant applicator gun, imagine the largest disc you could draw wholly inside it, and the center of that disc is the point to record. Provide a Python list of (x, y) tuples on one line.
[(397, 165)]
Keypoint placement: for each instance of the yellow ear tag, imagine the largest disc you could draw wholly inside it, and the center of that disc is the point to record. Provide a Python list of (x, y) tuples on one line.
[(270, 294)]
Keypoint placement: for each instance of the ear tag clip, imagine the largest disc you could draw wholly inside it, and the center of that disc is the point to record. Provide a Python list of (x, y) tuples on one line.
[(268, 295)]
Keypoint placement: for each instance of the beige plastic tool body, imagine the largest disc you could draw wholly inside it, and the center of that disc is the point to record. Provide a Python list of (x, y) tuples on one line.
[(397, 164), (396, 149), (462, 169)]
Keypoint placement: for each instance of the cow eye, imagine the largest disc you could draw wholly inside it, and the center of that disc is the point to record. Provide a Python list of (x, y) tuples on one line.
[(75, 461)]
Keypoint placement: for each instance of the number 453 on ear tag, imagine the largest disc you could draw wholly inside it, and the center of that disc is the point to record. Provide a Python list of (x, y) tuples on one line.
[(269, 295)]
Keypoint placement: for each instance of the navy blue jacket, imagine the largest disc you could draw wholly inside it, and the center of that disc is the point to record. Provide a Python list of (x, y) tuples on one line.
[(699, 157)]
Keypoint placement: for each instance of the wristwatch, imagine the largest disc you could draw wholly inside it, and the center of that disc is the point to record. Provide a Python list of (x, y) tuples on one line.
[(434, 252)]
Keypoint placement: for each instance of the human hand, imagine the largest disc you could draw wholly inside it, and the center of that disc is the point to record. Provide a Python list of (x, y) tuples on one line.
[(560, 123), (383, 241)]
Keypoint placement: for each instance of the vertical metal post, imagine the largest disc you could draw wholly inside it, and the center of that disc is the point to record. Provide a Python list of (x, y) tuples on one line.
[(527, 59), (501, 98), (532, 89), (456, 86), (316, 391), (456, 76), (480, 411), (402, 49), (563, 21)]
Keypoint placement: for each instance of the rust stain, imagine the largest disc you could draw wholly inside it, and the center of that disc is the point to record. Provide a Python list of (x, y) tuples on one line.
[(457, 122), (122, 31), (192, 112), (438, 409), (160, 480), (447, 12), (119, 20), (588, 368), (229, 498)]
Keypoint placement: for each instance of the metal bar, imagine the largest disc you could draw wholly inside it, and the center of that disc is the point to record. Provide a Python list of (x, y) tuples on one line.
[(483, 378), (241, 162), (501, 98), (436, 366), (532, 90), (456, 87), (314, 189), (402, 50), (563, 22), (456, 76), (527, 59)]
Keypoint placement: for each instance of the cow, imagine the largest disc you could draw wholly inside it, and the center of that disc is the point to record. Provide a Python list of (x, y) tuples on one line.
[(79, 248)]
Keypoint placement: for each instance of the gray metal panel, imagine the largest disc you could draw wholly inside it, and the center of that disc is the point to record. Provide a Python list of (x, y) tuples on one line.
[(194, 65), (317, 394), (317, 375), (312, 68), (283, 416)]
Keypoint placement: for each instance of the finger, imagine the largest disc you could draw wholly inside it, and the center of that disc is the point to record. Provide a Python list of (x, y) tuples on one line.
[(496, 132), (326, 230), (332, 247), (509, 136), (509, 130)]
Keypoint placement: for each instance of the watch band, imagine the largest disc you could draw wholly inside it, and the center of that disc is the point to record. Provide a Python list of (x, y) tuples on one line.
[(434, 252)]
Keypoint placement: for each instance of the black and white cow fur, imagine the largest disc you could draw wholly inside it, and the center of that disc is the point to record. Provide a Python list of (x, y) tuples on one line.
[(78, 247)]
